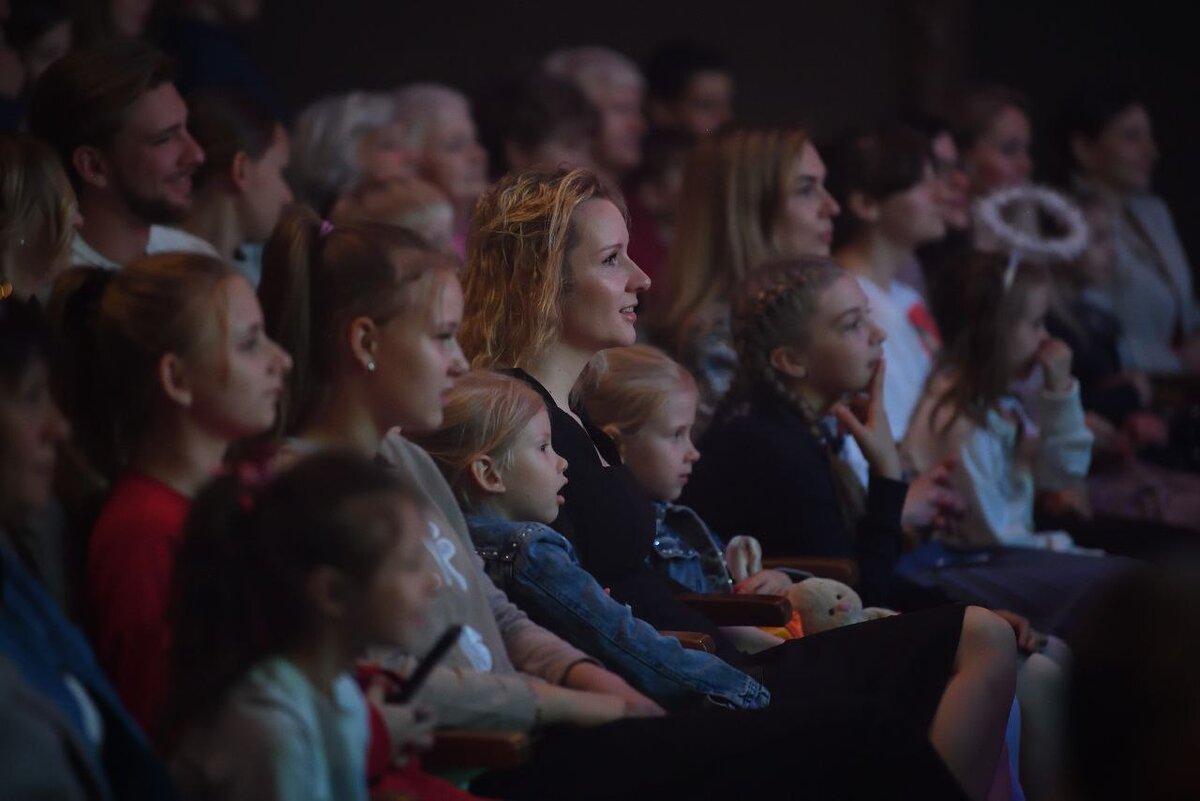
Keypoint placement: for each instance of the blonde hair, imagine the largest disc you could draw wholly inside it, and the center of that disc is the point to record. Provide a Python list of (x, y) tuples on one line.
[(516, 271), (35, 210), (485, 413), (734, 189), (625, 387)]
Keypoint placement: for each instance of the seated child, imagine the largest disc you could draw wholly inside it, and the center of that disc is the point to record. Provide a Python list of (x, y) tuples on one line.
[(494, 449), (316, 564)]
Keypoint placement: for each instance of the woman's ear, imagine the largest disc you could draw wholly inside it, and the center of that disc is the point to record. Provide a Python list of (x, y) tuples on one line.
[(329, 592), (173, 379), (485, 474), (363, 339), (863, 207), (789, 361), (614, 434)]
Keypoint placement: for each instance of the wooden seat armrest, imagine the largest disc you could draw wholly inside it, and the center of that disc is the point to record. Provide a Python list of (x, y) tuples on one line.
[(832, 567), (455, 749), (693, 640), (740, 610)]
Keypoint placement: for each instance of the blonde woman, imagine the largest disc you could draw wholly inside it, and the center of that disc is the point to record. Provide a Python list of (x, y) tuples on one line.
[(749, 196), (38, 215)]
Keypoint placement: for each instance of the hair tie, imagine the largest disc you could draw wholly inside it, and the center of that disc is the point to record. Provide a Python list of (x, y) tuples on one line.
[(326, 229)]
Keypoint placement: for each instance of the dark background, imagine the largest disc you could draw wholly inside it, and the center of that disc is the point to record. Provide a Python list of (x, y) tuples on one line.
[(831, 64)]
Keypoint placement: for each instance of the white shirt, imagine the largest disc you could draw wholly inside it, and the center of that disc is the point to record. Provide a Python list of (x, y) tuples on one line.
[(163, 239)]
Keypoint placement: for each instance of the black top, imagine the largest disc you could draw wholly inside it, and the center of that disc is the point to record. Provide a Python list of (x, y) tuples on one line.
[(763, 473)]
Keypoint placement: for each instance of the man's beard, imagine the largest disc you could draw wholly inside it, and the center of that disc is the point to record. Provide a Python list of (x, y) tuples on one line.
[(152, 210)]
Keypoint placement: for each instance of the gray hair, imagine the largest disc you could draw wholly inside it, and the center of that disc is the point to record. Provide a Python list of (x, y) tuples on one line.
[(592, 66), (418, 105), (325, 141)]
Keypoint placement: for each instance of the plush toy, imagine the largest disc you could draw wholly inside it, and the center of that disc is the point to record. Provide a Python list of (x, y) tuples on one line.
[(825, 604)]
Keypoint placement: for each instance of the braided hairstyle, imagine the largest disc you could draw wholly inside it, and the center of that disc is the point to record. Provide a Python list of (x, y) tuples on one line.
[(775, 307)]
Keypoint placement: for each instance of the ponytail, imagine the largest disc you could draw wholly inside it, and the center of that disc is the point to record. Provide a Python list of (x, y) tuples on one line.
[(317, 278)]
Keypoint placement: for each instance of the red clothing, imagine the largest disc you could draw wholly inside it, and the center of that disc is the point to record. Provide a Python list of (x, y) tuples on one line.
[(130, 558)]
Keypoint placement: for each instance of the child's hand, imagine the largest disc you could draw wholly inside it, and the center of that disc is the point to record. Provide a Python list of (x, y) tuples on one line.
[(410, 726), (932, 499), (561, 705), (873, 433), (1145, 428), (765, 582), (1055, 357), (1028, 638)]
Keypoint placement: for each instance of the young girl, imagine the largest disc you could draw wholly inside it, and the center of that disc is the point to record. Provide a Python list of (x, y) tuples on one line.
[(494, 449), (172, 367), (313, 566), (239, 189), (549, 285), (1005, 453), (646, 402)]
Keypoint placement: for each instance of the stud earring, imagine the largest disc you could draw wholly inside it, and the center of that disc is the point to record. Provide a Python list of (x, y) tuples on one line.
[(370, 365)]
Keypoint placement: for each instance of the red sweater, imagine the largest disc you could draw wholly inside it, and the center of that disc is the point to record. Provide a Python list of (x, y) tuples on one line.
[(130, 558)]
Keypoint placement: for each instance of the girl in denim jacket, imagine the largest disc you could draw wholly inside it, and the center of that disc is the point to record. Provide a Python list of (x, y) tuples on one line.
[(494, 449)]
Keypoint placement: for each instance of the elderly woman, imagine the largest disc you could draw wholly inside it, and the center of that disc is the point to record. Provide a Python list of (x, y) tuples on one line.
[(344, 142)]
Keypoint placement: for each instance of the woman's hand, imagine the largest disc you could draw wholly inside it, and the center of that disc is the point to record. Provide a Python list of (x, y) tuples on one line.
[(1055, 358), (765, 582), (576, 707), (593, 678), (872, 432)]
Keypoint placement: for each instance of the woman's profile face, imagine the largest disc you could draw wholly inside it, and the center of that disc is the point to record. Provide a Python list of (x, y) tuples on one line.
[(599, 309), (1000, 159), (805, 224), (31, 428)]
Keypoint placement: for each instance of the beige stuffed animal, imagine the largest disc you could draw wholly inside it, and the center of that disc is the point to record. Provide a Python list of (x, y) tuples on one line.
[(825, 604)]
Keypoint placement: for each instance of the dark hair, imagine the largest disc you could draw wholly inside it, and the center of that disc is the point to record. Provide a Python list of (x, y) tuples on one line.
[(1092, 108), (977, 352), (316, 280), (32, 19), (225, 122), (238, 587), (113, 327), (85, 97), (977, 110), (878, 164), (547, 106), (24, 338), (673, 65)]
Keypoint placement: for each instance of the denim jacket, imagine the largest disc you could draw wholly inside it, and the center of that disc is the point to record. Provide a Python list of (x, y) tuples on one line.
[(538, 569), (687, 550)]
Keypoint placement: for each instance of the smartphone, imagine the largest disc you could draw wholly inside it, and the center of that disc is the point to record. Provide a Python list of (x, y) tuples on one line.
[(439, 649)]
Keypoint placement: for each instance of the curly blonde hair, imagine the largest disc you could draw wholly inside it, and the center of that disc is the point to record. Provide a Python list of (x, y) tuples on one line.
[(516, 272)]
